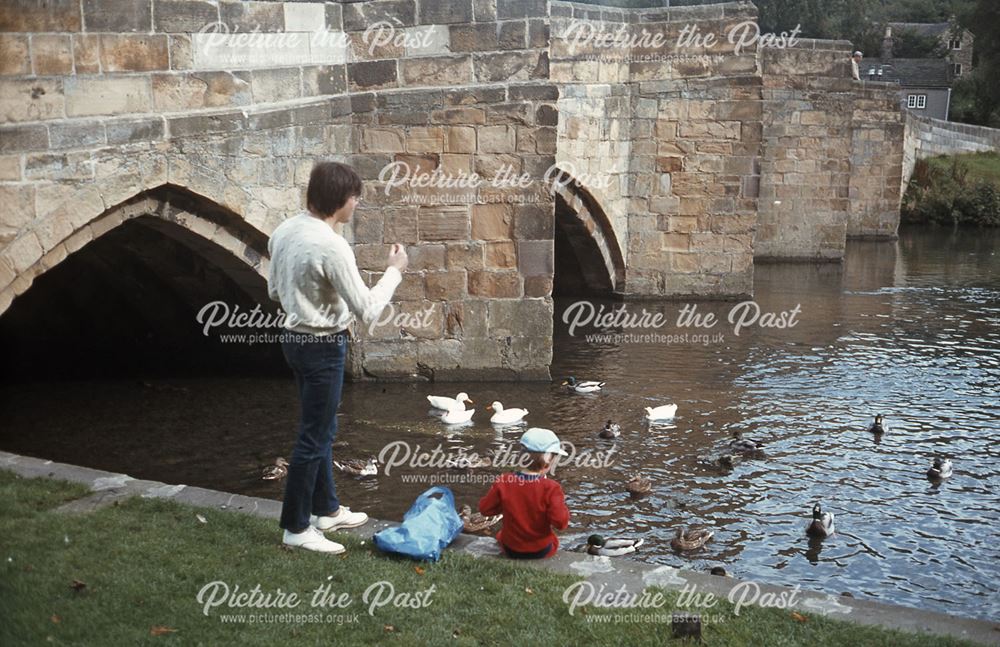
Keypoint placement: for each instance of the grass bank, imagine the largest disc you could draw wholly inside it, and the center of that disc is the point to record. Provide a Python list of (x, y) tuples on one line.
[(954, 189), (130, 574)]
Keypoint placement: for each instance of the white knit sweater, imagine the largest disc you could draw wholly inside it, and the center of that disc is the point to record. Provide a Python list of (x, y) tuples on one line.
[(315, 277)]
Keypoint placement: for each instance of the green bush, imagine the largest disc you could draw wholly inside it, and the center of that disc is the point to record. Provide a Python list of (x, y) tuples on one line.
[(941, 192)]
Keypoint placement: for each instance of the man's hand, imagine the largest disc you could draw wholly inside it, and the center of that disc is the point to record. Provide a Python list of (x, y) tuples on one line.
[(398, 257)]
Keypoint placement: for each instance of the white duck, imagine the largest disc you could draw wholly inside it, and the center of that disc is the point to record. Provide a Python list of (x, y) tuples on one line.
[(457, 416), (506, 416), (822, 523), (664, 412), (447, 404)]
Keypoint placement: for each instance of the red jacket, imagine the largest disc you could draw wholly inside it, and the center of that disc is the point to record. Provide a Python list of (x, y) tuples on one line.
[(532, 505)]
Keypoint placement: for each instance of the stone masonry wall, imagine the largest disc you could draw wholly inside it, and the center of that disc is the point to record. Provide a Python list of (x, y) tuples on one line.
[(103, 102), (927, 137)]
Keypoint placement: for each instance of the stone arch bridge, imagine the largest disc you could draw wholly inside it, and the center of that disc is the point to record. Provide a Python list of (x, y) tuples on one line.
[(166, 139)]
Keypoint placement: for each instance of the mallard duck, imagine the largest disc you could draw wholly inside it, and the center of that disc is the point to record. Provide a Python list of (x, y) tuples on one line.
[(741, 445), (821, 524), (726, 462), (612, 546), (477, 522), (878, 427), (586, 386), (277, 471), (358, 467), (506, 416), (693, 539), (639, 486), (457, 416), (611, 430), (663, 412), (468, 462), (940, 470), (447, 404)]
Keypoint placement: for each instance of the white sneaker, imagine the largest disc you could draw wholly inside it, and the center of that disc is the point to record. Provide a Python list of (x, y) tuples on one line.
[(312, 539), (343, 519)]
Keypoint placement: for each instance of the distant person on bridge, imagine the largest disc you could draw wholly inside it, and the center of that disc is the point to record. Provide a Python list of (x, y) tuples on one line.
[(855, 65), (314, 275)]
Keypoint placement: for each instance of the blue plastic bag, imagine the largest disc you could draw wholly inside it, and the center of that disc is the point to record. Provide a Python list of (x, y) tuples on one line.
[(428, 526)]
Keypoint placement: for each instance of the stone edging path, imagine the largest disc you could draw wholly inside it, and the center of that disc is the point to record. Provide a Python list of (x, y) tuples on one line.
[(612, 573)]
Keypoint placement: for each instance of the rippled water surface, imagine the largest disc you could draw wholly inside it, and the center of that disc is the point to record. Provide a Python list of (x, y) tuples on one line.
[(909, 329)]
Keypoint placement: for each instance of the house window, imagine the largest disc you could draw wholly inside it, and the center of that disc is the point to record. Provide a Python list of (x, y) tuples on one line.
[(955, 43), (918, 101), (956, 69)]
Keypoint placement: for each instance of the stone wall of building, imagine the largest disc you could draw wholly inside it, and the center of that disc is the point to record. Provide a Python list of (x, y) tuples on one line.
[(876, 161)]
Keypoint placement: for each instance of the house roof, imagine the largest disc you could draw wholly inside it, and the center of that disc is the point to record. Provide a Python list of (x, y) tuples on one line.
[(924, 28), (916, 72)]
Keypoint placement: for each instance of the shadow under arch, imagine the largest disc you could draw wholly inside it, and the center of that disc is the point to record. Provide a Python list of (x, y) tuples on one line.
[(588, 258), (128, 300)]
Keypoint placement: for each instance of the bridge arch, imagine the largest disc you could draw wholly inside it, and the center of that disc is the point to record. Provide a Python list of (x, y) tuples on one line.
[(588, 255)]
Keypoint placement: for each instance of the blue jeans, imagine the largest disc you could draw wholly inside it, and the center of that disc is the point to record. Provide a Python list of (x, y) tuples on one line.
[(318, 365)]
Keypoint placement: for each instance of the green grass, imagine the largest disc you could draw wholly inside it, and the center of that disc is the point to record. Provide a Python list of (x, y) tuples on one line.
[(984, 167), (144, 561)]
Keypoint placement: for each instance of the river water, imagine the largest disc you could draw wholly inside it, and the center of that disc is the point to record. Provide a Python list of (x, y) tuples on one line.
[(908, 329)]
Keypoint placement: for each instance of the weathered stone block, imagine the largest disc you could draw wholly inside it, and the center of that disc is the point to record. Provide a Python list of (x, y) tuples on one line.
[(500, 255), (30, 100), (324, 79), (382, 140), (246, 17), (115, 16), (400, 226), (443, 223), (460, 139), (446, 286), (107, 95), (76, 135), (370, 75), (23, 138), (465, 255), (129, 130), (443, 70), (511, 66), (492, 222), (496, 139), (87, 53), (360, 16), (175, 92), (51, 54), (134, 53), (496, 285), (269, 86), (441, 13), (32, 16), (181, 16), (536, 257), (508, 9), (425, 140)]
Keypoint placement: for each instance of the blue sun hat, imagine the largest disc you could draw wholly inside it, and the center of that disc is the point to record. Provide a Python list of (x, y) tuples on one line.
[(541, 440)]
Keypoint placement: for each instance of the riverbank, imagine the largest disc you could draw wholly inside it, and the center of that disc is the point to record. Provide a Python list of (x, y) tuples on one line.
[(92, 557)]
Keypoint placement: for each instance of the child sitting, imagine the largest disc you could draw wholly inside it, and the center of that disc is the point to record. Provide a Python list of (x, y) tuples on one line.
[(532, 505)]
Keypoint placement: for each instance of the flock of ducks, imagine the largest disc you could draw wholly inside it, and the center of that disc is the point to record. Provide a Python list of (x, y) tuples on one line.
[(454, 411)]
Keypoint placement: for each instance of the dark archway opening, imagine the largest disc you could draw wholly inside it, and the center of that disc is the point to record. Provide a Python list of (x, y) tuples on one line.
[(127, 305), (579, 267)]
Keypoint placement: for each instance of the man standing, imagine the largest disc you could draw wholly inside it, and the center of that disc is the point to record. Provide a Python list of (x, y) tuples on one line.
[(855, 63), (315, 277)]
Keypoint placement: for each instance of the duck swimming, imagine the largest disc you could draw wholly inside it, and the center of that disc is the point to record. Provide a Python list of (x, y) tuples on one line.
[(611, 547), (663, 412), (741, 445), (357, 467), (476, 522), (457, 416), (639, 486), (586, 386), (611, 430), (877, 427), (506, 416), (821, 524), (686, 540), (940, 470), (447, 404), (277, 471)]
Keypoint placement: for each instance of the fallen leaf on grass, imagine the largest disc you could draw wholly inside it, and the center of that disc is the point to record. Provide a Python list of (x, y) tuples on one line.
[(77, 585), (388, 629), (528, 590), (418, 570), (159, 630), (798, 617), (55, 619)]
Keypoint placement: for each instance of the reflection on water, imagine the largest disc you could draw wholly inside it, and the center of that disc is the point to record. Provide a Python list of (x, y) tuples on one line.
[(907, 329)]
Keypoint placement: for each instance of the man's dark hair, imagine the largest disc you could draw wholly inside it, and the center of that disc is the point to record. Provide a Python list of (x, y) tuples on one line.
[(330, 186)]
